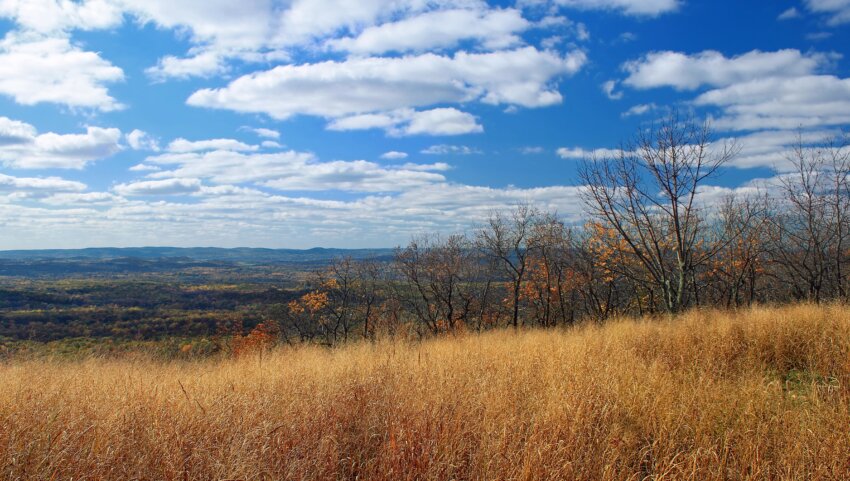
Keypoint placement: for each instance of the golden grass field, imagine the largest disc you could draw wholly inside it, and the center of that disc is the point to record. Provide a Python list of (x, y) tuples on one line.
[(760, 394)]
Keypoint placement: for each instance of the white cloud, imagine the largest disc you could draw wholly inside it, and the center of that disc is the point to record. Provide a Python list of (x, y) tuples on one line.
[(267, 30), (580, 153), (445, 121), (159, 187), (435, 167), (86, 199), (294, 171), (355, 176), (204, 64), (271, 144), (818, 36), (144, 168), (306, 20), (219, 30), (233, 216), (495, 29), (771, 148), (28, 185), (405, 122), (182, 145), (141, 140), (230, 167), (756, 90), (15, 132), (394, 155), (366, 85), (534, 150), (639, 109), (445, 149), (629, 7), (781, 103), (22, 147), (689, 72), (582, 33), (838, 11), (35, 70), (388, 121), (609, 88), (789, 14), (266, 133), (55, 16)]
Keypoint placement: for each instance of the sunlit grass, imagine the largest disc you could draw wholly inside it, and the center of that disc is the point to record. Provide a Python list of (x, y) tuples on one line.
[(761, 394)]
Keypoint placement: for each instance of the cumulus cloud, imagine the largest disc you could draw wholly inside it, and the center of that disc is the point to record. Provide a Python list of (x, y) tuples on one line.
[(446, 121), (159, 187), (689, 72), (22, 147), (532, 150), (781, 103), (580, 153), (640, 109), (271, 144), (294, 171), (789, 14), (445, 149), (37, 70), (609, 87), (28, 185), (52, 16), (837, 11), (141, 140), (366, 85), (182, 145), (405, 122), (204, 64), (394, 155), (220, 31), (14, 132), (266, 133), (771, 148), (355, 176), (144, 168), (83, 199), (218, 214), (628, 7), (496, 28), (756, 90)]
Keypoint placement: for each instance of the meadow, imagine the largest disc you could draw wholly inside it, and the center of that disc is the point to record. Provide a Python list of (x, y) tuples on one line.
[(754, 394)]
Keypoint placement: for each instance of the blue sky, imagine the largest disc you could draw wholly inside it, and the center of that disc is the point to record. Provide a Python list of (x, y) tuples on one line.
[(346, 123)]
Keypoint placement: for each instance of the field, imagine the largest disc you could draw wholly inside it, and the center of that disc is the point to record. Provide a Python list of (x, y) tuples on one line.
[(757, 394)]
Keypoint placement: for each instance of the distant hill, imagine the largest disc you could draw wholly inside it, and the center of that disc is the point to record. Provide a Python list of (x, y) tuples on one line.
[(242, 255)]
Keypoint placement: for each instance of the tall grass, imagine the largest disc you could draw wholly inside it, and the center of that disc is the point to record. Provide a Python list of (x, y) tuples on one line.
[(760, 394)]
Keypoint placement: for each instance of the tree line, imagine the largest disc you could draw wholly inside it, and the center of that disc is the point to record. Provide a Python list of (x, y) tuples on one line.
[(655, 239)]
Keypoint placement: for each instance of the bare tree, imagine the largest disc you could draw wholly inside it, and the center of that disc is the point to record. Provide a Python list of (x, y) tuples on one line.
[(552, 279), (811, 228), (648, 195), (509, 240), (740, 261), (436, 273)]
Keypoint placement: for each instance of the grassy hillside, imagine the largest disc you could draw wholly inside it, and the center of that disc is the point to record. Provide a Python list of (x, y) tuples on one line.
[(762, 394)]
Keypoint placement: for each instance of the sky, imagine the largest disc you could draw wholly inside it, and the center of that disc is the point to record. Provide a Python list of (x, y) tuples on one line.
[(361, 123)]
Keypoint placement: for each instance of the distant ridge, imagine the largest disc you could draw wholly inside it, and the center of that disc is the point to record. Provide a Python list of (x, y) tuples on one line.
[(247, 255)]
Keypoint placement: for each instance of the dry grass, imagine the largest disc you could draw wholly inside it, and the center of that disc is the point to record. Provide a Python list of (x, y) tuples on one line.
[(762, 394)]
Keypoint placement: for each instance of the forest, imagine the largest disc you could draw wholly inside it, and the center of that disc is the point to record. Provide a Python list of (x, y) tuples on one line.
[(654, 241)]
